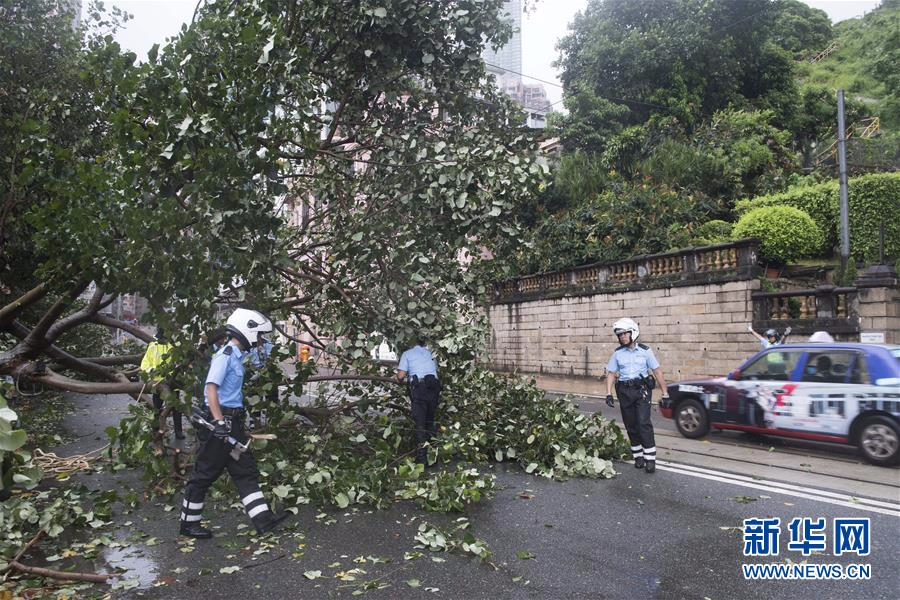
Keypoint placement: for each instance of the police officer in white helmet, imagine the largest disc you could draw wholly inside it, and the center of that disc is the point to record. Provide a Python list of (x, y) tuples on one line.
[(632, 369), (224, 408)]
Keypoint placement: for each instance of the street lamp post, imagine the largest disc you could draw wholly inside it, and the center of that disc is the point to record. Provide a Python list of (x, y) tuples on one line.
[(842, 174)]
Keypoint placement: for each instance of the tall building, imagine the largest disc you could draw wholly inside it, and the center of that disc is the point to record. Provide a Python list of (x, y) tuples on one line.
[(506, 62), (506, 65)]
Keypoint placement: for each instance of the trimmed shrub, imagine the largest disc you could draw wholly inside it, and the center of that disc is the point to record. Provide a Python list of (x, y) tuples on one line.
[(785, 233), (820, 201), (713, 232), (873, 199)]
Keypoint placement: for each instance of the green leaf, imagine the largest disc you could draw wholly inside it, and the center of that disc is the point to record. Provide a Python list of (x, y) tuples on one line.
[(227, 570), (312, 574), (342, 500), (12, 440), (413, 583), (380, 12), (427, 59), (524, 555)]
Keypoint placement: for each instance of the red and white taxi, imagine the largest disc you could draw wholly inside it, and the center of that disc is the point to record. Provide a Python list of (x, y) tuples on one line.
[(843, 393)]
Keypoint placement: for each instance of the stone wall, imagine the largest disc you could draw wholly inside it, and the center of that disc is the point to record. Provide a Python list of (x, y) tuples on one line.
[(879, 312), (695, 331)]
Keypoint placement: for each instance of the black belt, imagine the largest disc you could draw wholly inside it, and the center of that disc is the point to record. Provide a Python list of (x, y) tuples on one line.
[(232, 412), (632, 382)]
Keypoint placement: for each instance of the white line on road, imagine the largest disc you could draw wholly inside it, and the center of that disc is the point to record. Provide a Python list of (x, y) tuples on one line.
[(790, 490), (788, 486)]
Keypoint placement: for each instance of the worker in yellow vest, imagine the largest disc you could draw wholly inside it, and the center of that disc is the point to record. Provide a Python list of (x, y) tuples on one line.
[(154, 358)]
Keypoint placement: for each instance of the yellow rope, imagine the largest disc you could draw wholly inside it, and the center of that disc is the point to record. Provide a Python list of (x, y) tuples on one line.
[(50, 463)]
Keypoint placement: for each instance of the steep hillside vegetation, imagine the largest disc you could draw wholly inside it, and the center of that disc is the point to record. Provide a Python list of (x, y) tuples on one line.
[(865, 61)]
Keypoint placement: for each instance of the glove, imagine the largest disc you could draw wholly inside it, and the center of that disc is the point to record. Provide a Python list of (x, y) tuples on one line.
[(220, 430), (787, 332), (610, 401), (749, 327), (664, 398)]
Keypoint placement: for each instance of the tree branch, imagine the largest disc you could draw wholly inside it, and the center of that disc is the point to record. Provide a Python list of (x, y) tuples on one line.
[(14, 308), (38, 333), (111, 322), (61, 382), (122, 359), (78, 317)]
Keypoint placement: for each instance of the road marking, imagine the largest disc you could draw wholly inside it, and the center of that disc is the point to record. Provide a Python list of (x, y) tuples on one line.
[(787, 489), (788, 486)]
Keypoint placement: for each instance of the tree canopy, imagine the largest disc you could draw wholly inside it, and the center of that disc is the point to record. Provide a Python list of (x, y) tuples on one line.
[(685, 60), (175, 178)]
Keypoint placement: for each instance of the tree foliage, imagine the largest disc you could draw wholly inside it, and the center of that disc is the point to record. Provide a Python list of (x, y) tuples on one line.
[(345, 168), (801, 29), (363, 454), (624, 62), (625, 219), (375, 123)]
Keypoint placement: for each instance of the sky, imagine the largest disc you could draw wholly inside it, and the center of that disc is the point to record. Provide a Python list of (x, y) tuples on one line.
[(155, 20)]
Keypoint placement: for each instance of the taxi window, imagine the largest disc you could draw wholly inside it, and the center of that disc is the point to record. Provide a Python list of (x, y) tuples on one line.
[(776, 365), (829, 367), (860, 370)]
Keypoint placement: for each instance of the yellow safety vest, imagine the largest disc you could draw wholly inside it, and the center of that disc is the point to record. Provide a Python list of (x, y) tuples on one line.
[(155, 356)]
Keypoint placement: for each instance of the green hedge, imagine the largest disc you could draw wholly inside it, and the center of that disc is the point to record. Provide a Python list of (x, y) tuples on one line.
[(873, 199), (785, 233)]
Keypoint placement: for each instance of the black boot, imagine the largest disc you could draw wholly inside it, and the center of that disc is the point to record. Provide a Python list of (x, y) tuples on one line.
[(651, 466), (268, 521), (639, 462), (195, 530), (177, 425)]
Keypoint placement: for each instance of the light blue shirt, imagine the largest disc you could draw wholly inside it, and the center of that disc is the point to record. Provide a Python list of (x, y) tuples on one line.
[(227, 372), (418, 361), (632, 363), (260, 354)]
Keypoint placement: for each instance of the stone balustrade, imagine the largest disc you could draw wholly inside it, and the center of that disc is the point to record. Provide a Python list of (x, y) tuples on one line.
[(692, 266)]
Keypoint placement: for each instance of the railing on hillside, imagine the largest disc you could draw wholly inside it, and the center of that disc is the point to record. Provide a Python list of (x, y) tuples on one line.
[(693, 266), (824, 53), (863, 129), (824, 308)]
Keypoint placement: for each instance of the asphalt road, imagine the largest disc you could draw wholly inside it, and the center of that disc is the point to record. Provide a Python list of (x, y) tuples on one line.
[(673, 534)]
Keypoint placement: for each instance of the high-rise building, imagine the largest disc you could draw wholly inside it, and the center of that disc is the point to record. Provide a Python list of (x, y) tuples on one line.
[(506, 65), (506, 62)]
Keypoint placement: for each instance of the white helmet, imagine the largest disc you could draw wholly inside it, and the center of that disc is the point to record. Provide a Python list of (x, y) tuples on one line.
[(821, 337), (246, 325), (627, 325)]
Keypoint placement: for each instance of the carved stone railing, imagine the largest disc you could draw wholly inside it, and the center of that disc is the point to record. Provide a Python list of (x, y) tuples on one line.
[(694, 266), (824, 308)]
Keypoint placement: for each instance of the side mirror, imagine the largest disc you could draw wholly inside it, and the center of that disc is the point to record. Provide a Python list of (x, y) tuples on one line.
[(735, 375)]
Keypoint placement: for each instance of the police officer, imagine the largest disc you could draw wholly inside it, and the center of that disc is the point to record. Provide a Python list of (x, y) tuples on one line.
[(418, 369), (154, 358), (630, 369), (771, 339), (225, 409)]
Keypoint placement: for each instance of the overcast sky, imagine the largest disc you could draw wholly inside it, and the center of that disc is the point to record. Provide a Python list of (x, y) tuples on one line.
[(155, 20)]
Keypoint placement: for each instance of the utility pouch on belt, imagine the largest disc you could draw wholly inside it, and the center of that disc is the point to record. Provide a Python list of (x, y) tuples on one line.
[(432, 383), (650, 382)]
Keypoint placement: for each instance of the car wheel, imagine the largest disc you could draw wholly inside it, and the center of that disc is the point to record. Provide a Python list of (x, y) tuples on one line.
[(879, 441), (691, 419)]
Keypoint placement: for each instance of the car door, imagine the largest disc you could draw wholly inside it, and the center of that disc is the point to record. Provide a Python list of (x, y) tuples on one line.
[(759, 384), (831, 383)]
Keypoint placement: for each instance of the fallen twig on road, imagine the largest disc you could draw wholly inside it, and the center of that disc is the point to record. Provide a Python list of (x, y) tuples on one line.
[(15, 565)]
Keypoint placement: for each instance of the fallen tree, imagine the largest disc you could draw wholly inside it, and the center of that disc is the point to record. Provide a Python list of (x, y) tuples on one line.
[(346, 169)]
